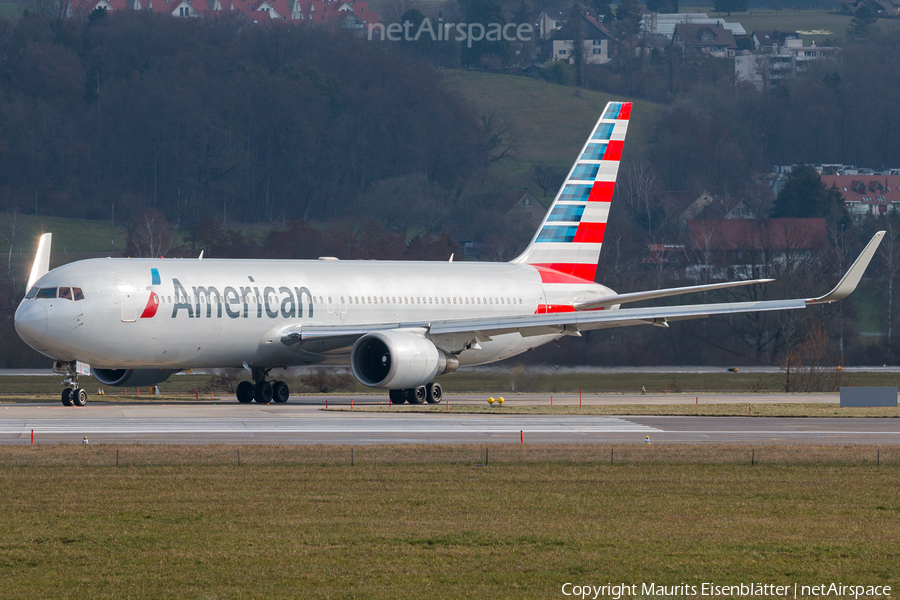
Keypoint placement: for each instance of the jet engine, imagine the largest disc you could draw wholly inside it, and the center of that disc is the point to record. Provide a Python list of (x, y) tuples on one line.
[(131, 377), (398, 360)]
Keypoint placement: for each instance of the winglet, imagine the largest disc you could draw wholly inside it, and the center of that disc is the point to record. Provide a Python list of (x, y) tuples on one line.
[(41, 265), (850, 280)]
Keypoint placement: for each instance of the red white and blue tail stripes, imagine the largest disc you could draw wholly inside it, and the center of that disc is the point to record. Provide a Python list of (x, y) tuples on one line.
[(567, 246)]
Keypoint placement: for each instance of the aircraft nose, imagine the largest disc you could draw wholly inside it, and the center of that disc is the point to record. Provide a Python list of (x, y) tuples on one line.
[(31, 322)]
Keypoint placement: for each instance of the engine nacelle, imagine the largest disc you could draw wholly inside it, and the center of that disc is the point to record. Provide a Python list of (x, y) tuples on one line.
[(131, 377), (398, 360)]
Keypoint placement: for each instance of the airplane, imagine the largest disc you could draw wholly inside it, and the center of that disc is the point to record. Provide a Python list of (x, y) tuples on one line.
[(399, 324)]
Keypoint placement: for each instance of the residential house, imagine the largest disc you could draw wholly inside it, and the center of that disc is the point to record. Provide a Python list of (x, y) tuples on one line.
[(770, 41), (867, 195), (659, 28), (552, 19), (772, 68), (522, 205), (729, 248), (886, 8), (344, 13), (599, 45), (82, 8), (702, 39)]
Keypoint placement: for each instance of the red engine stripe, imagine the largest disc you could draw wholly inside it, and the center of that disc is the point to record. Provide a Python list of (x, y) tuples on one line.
[(625, 113), (602, 191), (613, 150), (590, 233)]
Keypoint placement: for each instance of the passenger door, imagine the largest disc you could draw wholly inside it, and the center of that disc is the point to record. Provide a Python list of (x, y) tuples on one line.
[(128, 298)]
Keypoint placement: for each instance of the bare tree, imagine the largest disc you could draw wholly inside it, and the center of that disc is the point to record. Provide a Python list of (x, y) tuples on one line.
[(9, 233), (149, 236), (502, 138), (548, 178), (889, 251), (809, 367), (393, 10), (639, 185)]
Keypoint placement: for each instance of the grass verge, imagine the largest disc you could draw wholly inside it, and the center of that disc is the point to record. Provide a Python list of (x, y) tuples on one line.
[(23, 388), (687, 410), (424, 521)]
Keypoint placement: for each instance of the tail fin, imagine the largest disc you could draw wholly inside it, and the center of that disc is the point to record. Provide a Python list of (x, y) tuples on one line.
[(569, 238), (41, 265)]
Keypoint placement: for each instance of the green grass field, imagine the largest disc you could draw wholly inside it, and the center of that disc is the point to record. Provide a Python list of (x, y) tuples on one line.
[(70, 235), (427, 522), (687, 409), (549, 122), (814, 24), (11, 10)]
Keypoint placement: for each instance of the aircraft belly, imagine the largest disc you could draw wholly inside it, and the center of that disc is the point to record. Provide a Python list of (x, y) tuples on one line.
[(503, 346)]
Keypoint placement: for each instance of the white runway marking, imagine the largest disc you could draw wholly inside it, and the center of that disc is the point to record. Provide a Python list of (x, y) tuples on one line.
[(446, 425)]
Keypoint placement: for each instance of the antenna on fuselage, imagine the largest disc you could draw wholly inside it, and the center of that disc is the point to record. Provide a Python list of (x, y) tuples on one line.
[(201, 255), (451, 257)]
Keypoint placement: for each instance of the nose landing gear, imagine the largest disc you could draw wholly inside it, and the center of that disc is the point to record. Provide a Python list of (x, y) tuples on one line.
[(261, 390), (72, 395)]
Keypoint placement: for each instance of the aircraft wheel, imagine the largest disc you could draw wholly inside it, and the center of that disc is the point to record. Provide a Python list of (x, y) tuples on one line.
[(280, 391), (262, 392), (434, 393), (397, 396), (416, 395), (79, 397), (67, 397), (245, 392)]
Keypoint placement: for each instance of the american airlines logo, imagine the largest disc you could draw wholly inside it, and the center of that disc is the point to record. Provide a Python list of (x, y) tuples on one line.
[(235, 302)]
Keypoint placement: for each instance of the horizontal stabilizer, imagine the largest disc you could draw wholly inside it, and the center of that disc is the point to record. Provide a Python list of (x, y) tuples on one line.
[(652, 294)]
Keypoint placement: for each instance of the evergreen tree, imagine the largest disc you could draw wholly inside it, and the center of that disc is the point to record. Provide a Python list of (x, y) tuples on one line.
[(805, 196), (629, 12), (604, 10), (522, 14), (489, 14), (864, 23)]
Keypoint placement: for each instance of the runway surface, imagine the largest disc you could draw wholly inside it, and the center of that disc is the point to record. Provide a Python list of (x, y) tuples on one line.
[(307, 423)]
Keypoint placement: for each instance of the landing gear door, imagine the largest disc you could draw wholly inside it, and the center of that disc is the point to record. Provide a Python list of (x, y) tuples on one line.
[(127, 296)]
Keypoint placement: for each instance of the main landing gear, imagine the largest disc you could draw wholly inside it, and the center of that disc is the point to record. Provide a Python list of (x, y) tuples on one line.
[(261, 390), (72, 395), (431, 393)]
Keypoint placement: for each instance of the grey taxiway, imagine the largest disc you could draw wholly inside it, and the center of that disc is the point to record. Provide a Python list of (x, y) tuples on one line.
[(303, 421)]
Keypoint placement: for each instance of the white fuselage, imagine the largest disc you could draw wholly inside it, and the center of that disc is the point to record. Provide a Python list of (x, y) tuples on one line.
[(184, 313)]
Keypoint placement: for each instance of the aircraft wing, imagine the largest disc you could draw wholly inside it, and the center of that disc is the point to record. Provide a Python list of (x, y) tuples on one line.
[(572, 323)]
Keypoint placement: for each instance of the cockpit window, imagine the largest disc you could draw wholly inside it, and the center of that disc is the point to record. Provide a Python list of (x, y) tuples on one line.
[(32, 292), (77, 294), (65, 292), (46, 293)]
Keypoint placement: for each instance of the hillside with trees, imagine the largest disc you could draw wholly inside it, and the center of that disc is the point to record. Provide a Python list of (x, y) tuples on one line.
[(298, 142)]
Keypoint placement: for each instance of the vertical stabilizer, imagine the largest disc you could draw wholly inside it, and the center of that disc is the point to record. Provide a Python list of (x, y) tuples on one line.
[(41, 264), (571, 234)]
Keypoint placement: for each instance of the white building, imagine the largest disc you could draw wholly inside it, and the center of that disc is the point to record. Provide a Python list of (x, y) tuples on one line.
[(768, 69)]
